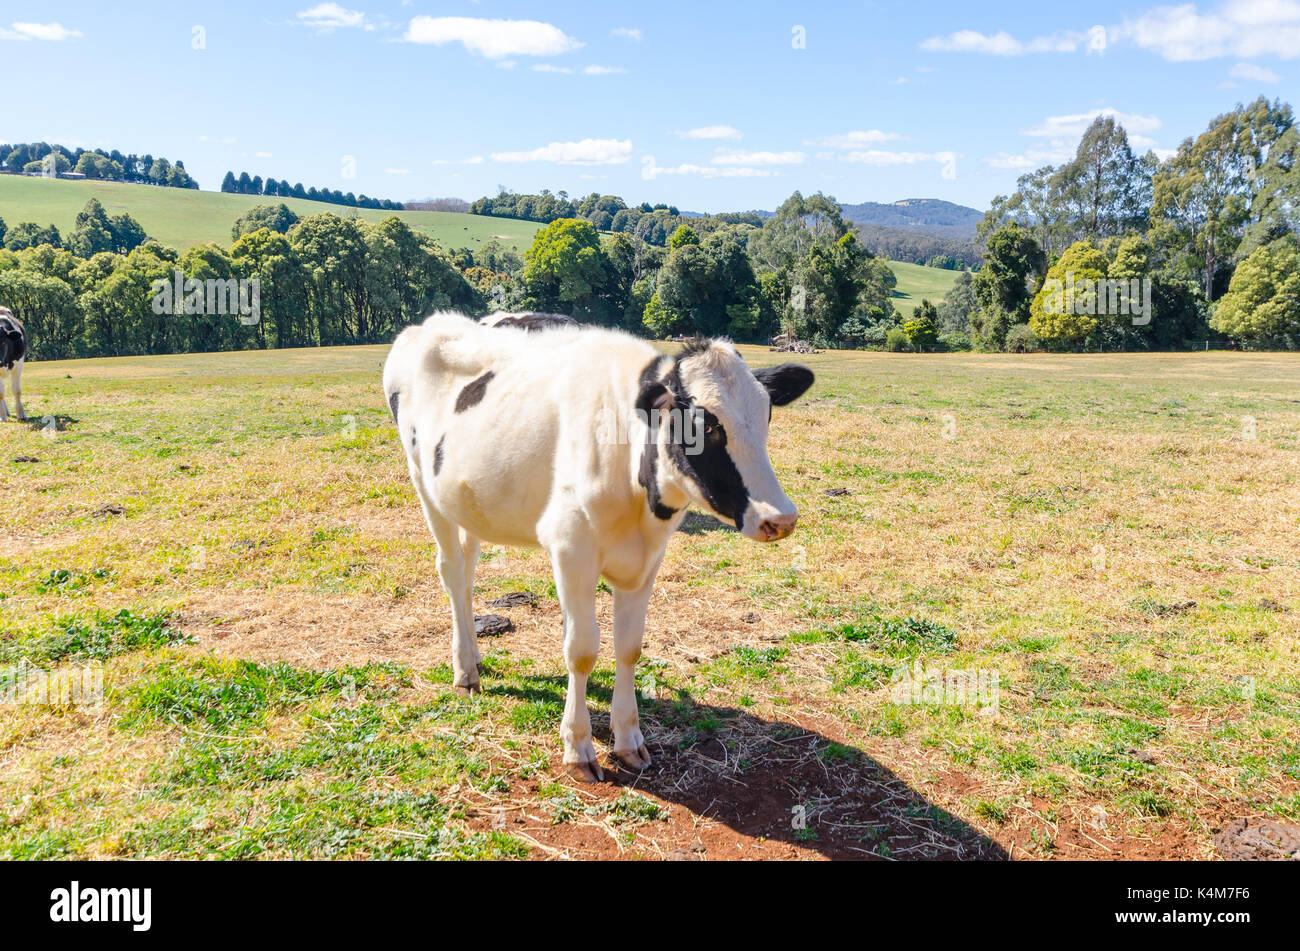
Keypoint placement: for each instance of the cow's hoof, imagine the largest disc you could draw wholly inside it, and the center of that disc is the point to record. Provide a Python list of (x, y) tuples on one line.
[(638, 758), (468, 690), (589, 772)]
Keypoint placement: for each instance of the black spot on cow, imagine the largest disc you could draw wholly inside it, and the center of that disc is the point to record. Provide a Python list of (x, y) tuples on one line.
[(536, 321), (437, 454), (393, 399), (473, 392), (13, 342)]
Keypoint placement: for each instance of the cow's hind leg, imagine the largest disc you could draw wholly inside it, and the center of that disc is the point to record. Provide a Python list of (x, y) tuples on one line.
[(629, 628), (469, 546), (456, 572), (457, 558), (576, 575)]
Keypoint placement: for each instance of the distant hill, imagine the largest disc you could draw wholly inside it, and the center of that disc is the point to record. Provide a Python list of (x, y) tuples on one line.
[(931, 216), (182, 217)]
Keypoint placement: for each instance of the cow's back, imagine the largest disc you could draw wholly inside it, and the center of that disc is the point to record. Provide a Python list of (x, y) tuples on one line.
[(503, 424)]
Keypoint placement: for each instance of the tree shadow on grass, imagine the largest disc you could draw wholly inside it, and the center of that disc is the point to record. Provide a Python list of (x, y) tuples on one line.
[(774, 780)]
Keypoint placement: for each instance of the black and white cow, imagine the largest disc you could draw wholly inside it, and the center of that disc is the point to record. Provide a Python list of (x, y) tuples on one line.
[(13, 349), (589, 444)]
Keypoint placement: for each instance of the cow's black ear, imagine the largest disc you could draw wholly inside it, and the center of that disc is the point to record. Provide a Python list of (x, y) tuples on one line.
[(653, 396), (785, 383)]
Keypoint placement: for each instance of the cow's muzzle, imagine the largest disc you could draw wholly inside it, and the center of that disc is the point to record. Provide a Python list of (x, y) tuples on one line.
[(775, 527)]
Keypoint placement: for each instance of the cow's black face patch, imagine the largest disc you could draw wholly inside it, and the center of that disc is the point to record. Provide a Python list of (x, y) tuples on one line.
[(473, 392), (648, 472), (711, 468), (437, 454)]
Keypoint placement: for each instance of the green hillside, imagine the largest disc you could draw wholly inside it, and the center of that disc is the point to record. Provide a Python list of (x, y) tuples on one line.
[(917, 283), (181, 217)]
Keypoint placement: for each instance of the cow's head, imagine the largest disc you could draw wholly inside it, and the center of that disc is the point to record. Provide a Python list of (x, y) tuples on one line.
[(709, 415)]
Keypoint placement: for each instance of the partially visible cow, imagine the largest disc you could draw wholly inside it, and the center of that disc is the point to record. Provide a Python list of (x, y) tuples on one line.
[(13, 349), (528, 320), (589, 444)]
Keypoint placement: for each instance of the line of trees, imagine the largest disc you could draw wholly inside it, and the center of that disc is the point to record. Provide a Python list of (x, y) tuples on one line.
[(95, 163), (901, 244), (801, 270), (245, 184), (1211, 233), (653, 224), (329, 280)]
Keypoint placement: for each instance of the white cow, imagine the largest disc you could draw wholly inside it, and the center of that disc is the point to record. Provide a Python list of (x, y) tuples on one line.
[(13, 349), (590, 444)]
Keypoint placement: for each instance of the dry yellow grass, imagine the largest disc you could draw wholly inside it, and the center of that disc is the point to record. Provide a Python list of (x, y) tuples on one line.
[(1114, 536)]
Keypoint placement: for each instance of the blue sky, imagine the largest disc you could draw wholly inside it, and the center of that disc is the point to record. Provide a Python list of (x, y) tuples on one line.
[(709, 106)]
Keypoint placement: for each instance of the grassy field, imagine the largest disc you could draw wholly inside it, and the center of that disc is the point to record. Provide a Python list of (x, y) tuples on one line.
[(1105, 545), (916, 283), (181, 217)]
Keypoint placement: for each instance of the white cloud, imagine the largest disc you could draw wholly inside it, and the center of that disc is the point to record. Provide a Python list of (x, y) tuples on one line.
[(1003, 43), (1030, 159), (1181, 32), (494, 39), (586, 152), (603, 70), (1140, 128), (650, 170), (710, 132), (329, 16), (552, 68), (51, 32), (880, 157), (735, 157), (472, 160), (1240, 28), (854, 140), (261, 155), (397, 171), (627, 33), (899, 81), (1254, 73)]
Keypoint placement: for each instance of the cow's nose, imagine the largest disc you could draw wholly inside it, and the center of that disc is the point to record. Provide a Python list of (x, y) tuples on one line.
[(777, 526)]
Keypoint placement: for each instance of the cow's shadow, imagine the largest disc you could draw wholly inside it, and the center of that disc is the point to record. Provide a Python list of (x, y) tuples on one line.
[(50, 422), (775, 781), (697, 523)]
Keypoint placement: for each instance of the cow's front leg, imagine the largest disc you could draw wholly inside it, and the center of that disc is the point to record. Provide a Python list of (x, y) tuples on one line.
[(4, 410), (629, 628), (17, 381), (576, 575)]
